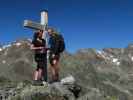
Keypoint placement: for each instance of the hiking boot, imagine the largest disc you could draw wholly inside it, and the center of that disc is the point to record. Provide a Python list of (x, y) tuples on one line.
[(53, 81), (37, 83)]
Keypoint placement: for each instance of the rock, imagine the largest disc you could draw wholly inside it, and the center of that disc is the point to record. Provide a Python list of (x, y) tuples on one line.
[(55, 91), (68, 80), (93, 94)]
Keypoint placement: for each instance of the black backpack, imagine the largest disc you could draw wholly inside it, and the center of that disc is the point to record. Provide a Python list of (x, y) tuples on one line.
[(59, 43)]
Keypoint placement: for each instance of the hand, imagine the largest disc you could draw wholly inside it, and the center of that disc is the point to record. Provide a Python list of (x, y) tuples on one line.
[(47, 48), (53, 55), (40, 47), (36, 48)]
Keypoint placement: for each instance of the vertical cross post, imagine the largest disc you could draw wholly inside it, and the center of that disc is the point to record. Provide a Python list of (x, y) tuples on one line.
[(44, 22), (40, 26)]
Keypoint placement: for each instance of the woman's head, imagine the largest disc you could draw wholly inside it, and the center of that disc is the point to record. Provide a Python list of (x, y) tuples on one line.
[(38, 34)]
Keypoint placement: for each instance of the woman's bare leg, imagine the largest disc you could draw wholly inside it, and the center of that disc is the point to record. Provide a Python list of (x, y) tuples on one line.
[(35, 76), (40, 71)]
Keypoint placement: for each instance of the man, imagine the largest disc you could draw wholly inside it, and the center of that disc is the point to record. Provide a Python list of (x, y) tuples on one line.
[(38, 45), (57, 46)]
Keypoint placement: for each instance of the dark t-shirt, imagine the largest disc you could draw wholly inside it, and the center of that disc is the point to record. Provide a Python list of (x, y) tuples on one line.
[(39, 43)]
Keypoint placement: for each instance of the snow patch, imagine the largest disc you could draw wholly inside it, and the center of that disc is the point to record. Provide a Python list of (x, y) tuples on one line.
[(132, 58), (18, 44), (29, 40), (111, 56), (3, 61), (115, 60), (1, 49), (6, 46), (118, 63), (99, 52)]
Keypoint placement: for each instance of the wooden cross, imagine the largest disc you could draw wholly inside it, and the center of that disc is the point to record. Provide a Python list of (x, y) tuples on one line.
[(40, 26)]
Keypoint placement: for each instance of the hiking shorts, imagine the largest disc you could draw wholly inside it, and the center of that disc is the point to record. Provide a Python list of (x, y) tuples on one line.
[(51, 59), (41, 60)]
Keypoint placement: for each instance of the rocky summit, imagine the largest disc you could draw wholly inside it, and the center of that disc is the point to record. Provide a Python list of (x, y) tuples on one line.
[(105, 74)]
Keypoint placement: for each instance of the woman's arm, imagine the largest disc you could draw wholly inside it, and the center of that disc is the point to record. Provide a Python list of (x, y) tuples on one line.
[(35, 48)]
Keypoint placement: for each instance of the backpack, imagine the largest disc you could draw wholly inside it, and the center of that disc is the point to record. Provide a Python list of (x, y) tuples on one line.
[(59, 44)]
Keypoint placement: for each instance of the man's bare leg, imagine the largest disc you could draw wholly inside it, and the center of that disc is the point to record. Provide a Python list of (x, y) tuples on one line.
[(55, 71)]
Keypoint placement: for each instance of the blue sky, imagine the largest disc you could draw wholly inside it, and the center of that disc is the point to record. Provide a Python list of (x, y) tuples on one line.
[(84, 23)]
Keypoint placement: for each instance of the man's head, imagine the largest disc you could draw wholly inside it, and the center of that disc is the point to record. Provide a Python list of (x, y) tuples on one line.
[(50, 31)]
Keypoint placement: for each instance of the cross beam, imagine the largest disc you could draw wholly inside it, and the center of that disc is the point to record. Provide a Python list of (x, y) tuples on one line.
[(38, 26), (33, 25)]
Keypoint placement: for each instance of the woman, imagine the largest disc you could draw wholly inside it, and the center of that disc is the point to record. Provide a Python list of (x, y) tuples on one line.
[(38, 45)]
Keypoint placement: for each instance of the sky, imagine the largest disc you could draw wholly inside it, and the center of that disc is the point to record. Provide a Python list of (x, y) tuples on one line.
[(83, 23)]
